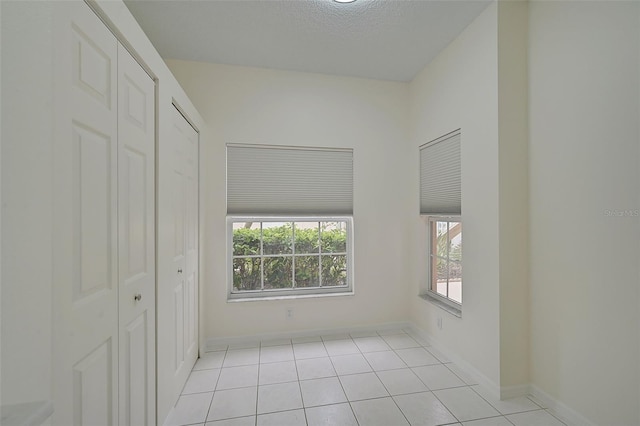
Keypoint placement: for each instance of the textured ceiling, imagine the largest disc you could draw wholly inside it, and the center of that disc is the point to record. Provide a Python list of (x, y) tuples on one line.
[(380, 39)]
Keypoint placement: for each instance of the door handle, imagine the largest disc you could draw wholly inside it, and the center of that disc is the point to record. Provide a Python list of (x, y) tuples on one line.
[(137, 297), (180, 270)]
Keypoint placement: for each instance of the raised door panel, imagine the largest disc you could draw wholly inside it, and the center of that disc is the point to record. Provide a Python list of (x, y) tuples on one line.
[(178, 310), (136, 242), (85, 344), (133, 174), (93, 401), (191, 300), (178, 170), (133, 365), (93, 236), (179, 214), (93, 66)]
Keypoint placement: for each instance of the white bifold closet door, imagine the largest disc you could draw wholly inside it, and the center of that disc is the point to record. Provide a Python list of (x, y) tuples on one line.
[(104, 241), (177, 261), (136, 243)]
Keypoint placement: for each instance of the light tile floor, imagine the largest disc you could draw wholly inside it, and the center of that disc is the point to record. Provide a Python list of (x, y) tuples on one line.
[(386, 378)]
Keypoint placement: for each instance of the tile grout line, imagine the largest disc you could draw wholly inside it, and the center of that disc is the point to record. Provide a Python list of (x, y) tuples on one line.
[(422, 381), (258, 382), (427, 386), (342, 387), (550, 412), (382, 383), (443, 404), (496, 408), (216, 386), (390, 395), (295, 364)]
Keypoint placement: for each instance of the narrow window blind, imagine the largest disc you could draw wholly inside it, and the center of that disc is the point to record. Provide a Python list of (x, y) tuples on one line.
[(264, 179), (440, 175)]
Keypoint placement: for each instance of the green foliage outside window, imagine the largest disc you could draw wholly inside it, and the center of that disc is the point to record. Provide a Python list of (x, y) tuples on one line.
[(319, 251), (449, 255)]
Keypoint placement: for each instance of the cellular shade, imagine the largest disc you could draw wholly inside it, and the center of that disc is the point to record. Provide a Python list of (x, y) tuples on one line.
[(267, 179), (440, 175)]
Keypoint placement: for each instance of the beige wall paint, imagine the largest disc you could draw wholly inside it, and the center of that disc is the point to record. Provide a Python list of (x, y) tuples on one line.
[(459, 89), (27, 98), (514, 195), (584, 108), (250, 105), (584, 72), (479, 83)]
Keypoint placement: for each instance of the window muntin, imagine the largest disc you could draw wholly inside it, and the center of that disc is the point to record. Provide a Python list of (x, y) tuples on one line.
[(273, 257), (445, 258)]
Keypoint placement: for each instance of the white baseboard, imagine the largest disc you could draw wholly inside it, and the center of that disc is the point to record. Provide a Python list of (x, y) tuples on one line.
[(559, 409), (216, 343), (514, 391), (494, 389)]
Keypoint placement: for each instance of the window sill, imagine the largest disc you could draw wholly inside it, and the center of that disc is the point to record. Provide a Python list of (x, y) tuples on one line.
[(442, 305), (290, 297)]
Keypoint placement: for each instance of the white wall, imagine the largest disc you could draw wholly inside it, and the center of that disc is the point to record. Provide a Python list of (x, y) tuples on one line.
[(26, 362), (514, 196), (459, 89), (249, 105), (584, 109)]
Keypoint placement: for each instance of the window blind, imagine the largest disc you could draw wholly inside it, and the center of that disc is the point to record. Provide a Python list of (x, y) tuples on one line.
[(264, 179), (440, 175)]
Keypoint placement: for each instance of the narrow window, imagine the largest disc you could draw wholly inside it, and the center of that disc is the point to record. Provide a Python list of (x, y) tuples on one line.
[(441, 203)]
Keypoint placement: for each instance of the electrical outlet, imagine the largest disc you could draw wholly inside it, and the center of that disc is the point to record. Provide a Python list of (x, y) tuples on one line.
[(440, 323), (289, 313)]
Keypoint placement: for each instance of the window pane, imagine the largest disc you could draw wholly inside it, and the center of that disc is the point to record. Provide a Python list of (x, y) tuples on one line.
[(455, 237), (307, 271), (441, 276), (441, 239), (277, 237), (246, 274), (246, 238), (278, 272), (334, 270), (455, 281), (307, 237), (334, 237), (433, 241), (455, 271)]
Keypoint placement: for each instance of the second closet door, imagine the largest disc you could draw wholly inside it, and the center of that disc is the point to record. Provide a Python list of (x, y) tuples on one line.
[(177, 261)]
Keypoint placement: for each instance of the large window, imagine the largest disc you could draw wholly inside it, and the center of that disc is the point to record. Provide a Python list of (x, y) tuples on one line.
[(289, 220), (445, 258), (286, 256)]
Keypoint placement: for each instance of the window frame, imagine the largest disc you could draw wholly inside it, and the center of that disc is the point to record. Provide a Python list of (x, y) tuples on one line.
[(433, 294), (292, 293)]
